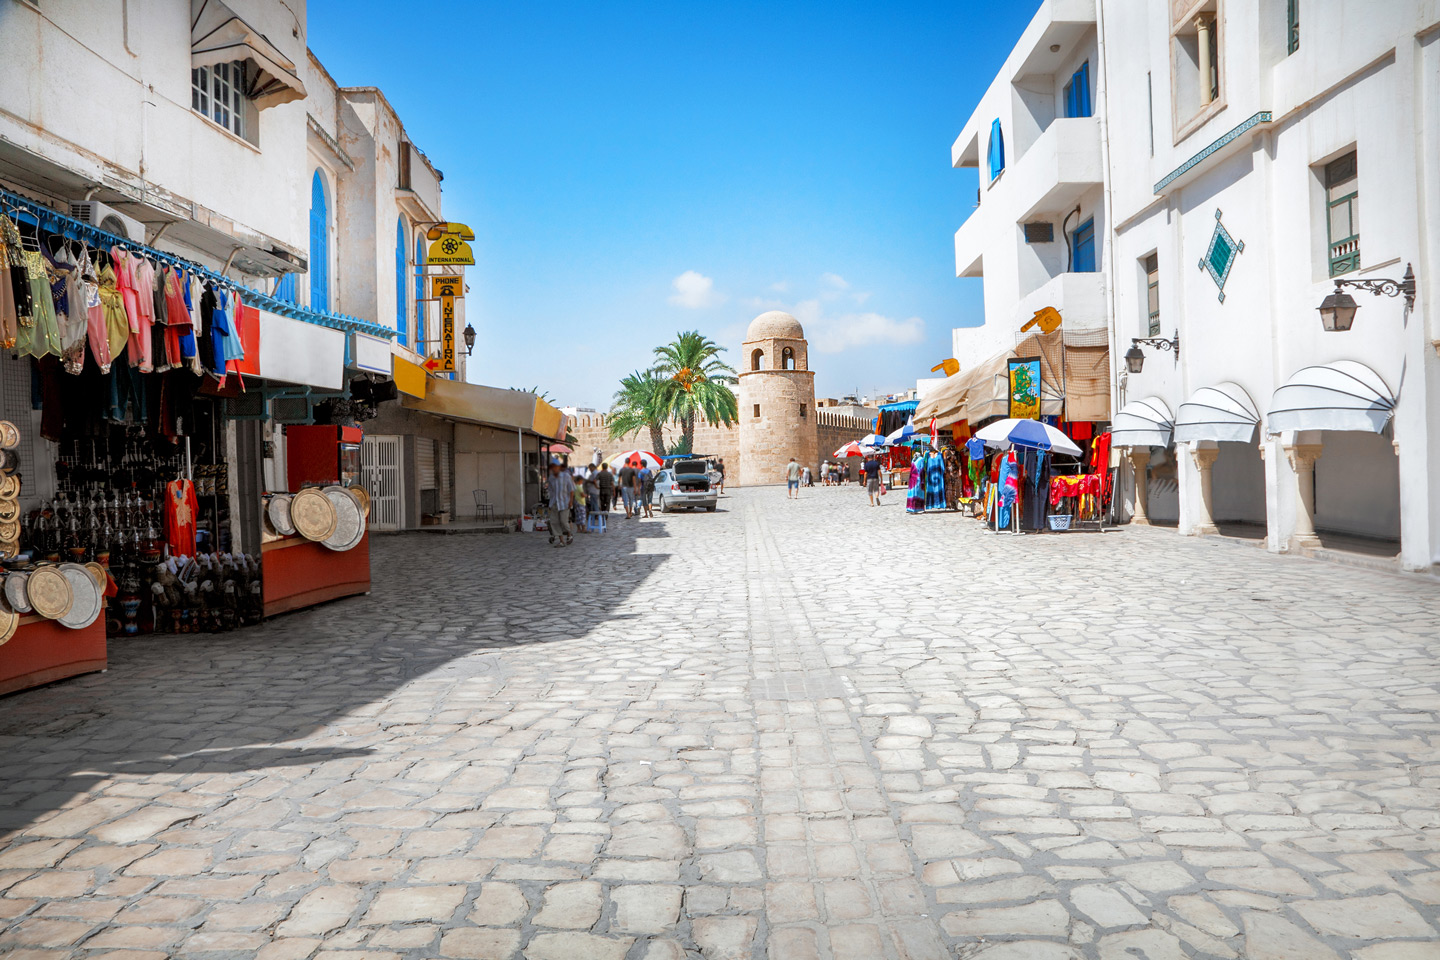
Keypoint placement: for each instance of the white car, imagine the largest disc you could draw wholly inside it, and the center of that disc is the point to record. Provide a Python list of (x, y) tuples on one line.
[(685, 484)]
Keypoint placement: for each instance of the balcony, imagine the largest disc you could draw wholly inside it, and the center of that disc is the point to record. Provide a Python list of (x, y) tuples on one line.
[(970, 242), (1058, 24), (1061, 166), (1080, 298)]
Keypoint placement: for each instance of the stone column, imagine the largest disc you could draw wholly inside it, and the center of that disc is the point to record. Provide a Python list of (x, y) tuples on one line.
[(1202, 30), (1140, 465), (1302, 460), (1204, 460)]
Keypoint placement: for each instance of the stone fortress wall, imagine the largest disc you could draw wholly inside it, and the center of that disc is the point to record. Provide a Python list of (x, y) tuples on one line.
[(591, 432), (834, 430)]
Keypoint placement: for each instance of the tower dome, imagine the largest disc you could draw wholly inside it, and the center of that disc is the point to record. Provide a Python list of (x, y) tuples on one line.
[(774, 325)]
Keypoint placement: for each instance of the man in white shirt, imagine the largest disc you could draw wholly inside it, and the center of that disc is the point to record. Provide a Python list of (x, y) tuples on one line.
[(562, 494)]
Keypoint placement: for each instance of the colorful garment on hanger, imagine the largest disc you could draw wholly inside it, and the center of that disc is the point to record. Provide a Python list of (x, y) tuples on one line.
[(953, 475), (117, 324), (73, 317), (1009, 488), (124, 265), (934, 482), (42, 336), (17, 307), (1099, 462), (181, 510), (144, 274), (915, 496)]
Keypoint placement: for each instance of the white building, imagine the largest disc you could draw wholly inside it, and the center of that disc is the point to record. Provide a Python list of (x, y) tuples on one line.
[(1239, 141)]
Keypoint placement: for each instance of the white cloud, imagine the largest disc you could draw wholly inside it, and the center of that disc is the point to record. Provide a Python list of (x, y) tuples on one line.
[(835, 333), (835, 280), (695, 291)]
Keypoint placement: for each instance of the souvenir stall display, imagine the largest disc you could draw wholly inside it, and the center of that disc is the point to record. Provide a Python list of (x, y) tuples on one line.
[(1084, 497), (316, 542)]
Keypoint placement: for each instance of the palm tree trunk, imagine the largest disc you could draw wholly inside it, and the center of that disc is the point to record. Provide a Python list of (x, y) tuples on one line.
[(689, 432), (657, 439)]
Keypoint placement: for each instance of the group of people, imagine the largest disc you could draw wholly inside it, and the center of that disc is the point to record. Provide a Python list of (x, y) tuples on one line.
[(574, 494)]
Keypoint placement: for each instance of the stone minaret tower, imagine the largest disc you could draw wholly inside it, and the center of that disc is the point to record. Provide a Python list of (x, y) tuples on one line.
[(777, 400)]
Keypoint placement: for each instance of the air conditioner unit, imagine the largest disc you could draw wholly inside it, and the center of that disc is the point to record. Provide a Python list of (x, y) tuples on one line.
[(109, 219), (1040, 231)]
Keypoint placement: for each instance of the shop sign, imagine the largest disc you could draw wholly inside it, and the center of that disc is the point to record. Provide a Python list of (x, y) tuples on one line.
[(446, 289), (1024, 392), (449, 246)]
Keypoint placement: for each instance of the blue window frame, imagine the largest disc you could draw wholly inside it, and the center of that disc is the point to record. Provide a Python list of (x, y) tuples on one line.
[(285, 289), (319, 246), (402, 315), (1082, 246), (420, 343), (1077, 92), (996, 150)]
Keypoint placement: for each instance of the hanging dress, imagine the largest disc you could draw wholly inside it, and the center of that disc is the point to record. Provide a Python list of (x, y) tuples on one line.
[(1009, 489), (159, 330), (9, 314), (72, 318), (42, 337), (934, 482), (95, 330), (915, 497), (177, 316), (19, 278), (181, 509), (117, 323), (143, 272)]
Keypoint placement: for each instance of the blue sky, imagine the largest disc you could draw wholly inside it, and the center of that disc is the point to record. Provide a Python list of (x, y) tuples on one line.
[(631, 170)]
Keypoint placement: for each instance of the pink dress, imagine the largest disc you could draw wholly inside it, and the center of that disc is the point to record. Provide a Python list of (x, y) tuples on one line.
[(138, 348), (145, 295)]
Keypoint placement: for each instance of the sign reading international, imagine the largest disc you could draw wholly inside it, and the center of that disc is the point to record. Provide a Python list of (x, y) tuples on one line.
[(1024, 389), (449, 245)]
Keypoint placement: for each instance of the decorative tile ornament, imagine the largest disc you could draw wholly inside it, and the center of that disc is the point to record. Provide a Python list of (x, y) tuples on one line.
[(1221, 256)]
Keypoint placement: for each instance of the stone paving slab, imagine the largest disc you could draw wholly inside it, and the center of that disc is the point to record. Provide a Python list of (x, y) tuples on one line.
[(786, 730)]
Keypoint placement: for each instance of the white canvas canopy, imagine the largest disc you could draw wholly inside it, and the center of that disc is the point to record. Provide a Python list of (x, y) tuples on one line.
[(1143, 423), (1220, 413), (1344, 395)]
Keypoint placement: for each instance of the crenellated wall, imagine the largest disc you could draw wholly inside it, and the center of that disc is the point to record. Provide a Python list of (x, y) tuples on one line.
[(591, 432)]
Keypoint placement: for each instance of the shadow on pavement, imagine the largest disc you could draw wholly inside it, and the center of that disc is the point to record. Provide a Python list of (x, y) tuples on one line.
[(226, 703)]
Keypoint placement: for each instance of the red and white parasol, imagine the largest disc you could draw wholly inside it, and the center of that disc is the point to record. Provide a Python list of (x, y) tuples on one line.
[(634, 457)]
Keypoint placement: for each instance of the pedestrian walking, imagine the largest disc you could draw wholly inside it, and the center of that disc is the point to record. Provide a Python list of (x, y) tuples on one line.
[(720, 466), (606, 481), (806, 479), (562, 495), (792, 480), (592, 492), (626, 479), (645, 484), (871, 471), (581, 501)]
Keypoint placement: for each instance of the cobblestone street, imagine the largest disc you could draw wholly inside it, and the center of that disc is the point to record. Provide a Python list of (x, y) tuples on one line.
[(784, 730)]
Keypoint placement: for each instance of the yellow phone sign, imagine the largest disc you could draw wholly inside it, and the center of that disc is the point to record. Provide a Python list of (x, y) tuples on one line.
[(449, 245)]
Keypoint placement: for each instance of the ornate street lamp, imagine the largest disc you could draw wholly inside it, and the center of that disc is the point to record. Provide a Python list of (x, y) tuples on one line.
[(1135, 357), (1337, 311), (469, 336)]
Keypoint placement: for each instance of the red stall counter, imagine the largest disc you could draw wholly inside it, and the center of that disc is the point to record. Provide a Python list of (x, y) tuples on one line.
[(298, 573), (42, 651)]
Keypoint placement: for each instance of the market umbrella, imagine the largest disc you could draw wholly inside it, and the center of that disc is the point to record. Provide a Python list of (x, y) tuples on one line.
[(1027, 433), (649, 459), (851, 449), (905, 434), (873, 440)]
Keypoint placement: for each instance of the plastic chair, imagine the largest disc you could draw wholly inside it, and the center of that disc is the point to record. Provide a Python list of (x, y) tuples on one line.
[(484, 509), (595, 522)]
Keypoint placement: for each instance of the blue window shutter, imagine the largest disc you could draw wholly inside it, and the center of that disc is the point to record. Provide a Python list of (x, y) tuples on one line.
[(285, 289), (319, 246), (997, 150), (1082, 90), (1082, 242), (402, 315), (420, 294)]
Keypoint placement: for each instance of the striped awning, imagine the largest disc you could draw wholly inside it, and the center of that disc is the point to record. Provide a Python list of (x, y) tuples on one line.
[(1143, 423), (1223, 412), (1344, 395)]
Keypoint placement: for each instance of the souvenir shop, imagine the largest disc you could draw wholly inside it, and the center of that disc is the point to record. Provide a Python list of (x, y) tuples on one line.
[(129, 503)]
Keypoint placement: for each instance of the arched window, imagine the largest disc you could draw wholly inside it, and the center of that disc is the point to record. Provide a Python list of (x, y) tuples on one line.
[(319, 246), (787, 359), (997, 150), (402, 315), (757, 360), (420, 343)]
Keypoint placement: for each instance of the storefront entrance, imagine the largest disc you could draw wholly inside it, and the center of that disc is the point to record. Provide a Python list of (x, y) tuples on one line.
[(382, 475), (1357, 493), (1238, 491)]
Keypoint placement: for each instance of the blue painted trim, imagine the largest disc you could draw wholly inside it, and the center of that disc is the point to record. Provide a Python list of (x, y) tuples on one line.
[(53, 221), (1264, 116)]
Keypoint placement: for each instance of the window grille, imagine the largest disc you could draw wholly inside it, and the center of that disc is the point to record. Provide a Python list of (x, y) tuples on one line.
[(1152, 294), (1292, 26), (218, 92), (1342, 214)]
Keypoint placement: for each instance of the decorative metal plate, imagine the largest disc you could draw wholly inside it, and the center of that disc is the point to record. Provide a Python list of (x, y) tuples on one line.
[(86, 601), (15, 592), (9, 487), (9, 530), (363, 496), (313, 514), (49, 593), (101, 575), (9, 510), (279, 513), (9, 435), (349, 519), (1220, 257), (9, 621)]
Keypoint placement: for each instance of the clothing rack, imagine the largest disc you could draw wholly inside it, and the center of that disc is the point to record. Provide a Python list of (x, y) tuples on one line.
[(53, 221)]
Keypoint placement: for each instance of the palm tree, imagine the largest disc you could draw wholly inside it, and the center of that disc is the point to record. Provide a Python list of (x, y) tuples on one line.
[(696, 384), (640, 404)]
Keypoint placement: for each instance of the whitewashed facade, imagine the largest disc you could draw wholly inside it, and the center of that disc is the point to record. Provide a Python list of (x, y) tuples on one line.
[(1314, 147)]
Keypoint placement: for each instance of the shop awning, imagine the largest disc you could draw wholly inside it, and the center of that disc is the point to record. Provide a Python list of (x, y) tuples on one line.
[(217, 36), (1220, 413), (1344, 395), (1143, 423), (489, 406)]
